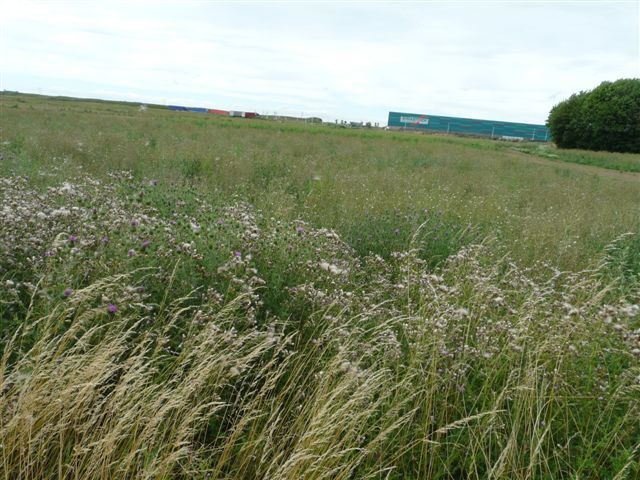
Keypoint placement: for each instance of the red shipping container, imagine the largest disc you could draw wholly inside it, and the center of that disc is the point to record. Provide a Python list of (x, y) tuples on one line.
[(250, 114), (218, 112)]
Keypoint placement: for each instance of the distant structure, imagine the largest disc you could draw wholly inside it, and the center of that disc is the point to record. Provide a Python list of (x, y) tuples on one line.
[(266, 116), (469, 126), (213, 111)]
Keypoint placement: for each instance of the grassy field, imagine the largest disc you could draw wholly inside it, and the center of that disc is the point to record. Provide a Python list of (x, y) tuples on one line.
[(187, 296), (364, 184)]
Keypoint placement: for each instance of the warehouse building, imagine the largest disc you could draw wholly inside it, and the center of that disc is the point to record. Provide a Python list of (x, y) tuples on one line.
[(469, 126)]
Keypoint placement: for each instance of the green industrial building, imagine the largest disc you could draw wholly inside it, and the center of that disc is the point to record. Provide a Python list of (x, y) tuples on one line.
[(469, 126)]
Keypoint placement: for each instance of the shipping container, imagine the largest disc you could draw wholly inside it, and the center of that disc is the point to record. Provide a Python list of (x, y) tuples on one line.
[(197, 109), (218, 112), (234, 113), (178, 108), (469, 126), (250, 114)]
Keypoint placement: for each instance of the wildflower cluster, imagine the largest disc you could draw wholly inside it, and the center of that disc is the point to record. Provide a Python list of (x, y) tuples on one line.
[(227, 333)]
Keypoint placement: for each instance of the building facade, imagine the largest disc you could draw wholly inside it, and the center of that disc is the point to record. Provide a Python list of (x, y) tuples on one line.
[(469, 126)]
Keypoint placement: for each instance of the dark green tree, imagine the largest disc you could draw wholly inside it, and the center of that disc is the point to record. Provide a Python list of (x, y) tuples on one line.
[(565, 121), (605, 118)]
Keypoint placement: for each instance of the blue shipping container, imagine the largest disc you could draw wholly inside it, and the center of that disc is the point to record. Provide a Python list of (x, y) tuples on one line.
[(178, 108)]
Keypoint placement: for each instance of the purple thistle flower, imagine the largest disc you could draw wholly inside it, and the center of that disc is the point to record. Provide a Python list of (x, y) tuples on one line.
[(105, 239), (145, 244), (131, 252), (67, 292), (300, 230), (73, 238), (111, 308), (135, 223), (237, 254)]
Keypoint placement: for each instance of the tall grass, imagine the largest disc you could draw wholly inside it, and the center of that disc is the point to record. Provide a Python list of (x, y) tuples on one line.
[(481, 373), (370, 187), (237, 308)]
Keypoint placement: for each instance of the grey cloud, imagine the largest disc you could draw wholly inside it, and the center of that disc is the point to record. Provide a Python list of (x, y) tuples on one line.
[(497, 60)]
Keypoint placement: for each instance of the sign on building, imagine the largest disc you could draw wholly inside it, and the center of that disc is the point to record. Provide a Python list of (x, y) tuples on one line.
[(414, 120)]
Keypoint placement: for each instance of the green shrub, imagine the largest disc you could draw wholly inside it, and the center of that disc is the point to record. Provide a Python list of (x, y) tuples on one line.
[(605, 118)]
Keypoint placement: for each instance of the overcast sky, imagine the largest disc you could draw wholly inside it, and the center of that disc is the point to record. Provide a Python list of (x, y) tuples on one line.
[(346, 60)]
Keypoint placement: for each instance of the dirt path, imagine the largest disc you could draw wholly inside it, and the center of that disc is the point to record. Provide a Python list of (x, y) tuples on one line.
[(592, 169)]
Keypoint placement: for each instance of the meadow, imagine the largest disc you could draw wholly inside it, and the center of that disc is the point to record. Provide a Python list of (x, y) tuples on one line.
[(189, 296)]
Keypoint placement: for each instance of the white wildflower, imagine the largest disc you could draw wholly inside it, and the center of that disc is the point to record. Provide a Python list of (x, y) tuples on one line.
[(335, 270), (345, 366), (60, 212)]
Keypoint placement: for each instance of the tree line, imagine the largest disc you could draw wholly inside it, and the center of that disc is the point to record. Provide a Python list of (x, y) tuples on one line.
[(605, 118)]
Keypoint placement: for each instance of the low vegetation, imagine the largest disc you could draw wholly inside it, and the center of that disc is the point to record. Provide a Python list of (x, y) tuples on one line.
[(187, 297)]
